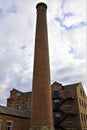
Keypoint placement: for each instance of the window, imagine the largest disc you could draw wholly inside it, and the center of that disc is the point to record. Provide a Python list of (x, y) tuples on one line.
[(27, 106), (28, 98), (20, 106), (9, 125), (56, 92), (80, 101), (81, 116), (0, 124), (19, 94), (11, 106), (57, 115), (81, 91), (56, 101), (84, 105), (55, 89), (84, 118), (83, 94)]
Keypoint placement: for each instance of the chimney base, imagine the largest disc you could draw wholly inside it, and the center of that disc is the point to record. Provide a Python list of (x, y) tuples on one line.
[(42, 128)]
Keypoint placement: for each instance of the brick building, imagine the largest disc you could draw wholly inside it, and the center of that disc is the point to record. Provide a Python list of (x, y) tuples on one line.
[(69, 105), (68, 102), (19, 100), (13, 119)]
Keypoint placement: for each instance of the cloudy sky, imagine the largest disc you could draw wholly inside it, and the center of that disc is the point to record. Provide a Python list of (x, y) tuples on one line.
[(67, 24)]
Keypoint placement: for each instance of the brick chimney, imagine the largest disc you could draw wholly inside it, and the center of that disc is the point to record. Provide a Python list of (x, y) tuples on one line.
[(41, 111)]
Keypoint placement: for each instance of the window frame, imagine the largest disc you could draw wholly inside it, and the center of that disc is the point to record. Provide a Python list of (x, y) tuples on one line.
[(9, 126), (19, 94), (20, 106), (57, 115), (28, 106), (56, 89)]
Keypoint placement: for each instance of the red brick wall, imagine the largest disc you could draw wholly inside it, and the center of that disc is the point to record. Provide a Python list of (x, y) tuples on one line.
[(18, 122), (82, 106), (73, 106), (15, 100)]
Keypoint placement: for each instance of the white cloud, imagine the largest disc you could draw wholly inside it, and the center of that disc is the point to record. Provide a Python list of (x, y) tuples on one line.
[(17, 37)]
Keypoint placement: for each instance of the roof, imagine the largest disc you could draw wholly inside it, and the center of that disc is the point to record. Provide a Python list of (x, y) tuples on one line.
[(23, 94), (56, 83), (27, 94), (13, 112), (70, 86)]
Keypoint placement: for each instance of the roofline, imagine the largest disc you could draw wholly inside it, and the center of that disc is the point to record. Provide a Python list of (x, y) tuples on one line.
[(73, 84), (2, 113), (56, 82), (14, 115), (21, 91)]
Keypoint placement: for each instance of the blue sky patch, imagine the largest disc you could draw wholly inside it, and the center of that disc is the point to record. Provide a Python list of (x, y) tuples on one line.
[(12, 9), (71, 27), (83, 23), (65, 15), (68, 14), (71, 50), (63, 3), (23, 47), (1, 12)]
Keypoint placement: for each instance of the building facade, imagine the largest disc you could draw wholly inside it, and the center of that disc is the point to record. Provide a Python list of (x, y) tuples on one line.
[(69, 105), (61, 106), (19, 100), (12, 119)]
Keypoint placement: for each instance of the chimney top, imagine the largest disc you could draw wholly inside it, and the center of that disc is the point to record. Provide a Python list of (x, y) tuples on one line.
[(41, 5)]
